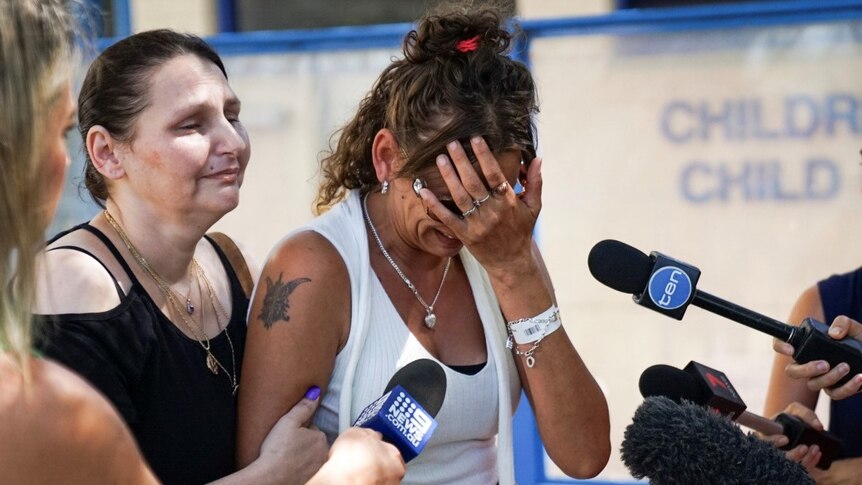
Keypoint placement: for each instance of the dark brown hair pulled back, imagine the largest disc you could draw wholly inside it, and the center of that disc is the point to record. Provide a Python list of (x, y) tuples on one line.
[(435, 94), (116, 88)]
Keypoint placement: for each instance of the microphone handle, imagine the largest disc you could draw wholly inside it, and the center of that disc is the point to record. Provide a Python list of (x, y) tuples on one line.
[(800, 433), (812, 342), (743, 315), (759, 423)]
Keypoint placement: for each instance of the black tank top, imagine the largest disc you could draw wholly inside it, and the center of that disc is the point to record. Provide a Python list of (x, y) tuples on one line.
[(183, 416), (842, 295)]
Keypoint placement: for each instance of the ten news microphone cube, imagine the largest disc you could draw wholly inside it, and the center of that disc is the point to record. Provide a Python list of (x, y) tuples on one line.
[(670, 288)]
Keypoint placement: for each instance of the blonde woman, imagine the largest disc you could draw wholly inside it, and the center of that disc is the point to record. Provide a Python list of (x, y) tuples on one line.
[(54, 428)]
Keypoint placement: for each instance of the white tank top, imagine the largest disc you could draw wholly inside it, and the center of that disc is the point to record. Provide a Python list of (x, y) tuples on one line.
[(464, 447)]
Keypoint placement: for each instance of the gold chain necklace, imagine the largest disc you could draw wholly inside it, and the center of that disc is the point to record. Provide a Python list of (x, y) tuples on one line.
[(218, 309), (212, 362)]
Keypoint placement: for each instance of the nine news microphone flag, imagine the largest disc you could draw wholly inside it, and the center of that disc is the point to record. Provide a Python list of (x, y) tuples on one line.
[(668, 286), (404, 415)]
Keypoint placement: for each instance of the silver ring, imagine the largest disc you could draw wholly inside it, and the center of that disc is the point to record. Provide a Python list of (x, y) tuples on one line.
[(470, 212), (477, 203), (502, 188)]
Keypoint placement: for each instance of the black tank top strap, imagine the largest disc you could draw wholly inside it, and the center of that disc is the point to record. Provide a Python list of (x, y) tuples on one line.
[(88, 253), (114, 251), (67, 231)]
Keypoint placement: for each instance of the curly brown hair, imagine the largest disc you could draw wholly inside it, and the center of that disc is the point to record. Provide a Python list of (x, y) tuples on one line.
[(437, 93)]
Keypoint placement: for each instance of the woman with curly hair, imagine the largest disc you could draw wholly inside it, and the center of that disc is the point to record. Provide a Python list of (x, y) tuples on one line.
[(428, 253)]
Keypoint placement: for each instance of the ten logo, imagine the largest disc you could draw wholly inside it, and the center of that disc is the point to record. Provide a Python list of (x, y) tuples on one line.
[(669, 288)]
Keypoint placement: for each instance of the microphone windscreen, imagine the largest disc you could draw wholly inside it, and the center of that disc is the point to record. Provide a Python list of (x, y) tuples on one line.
[(672, 383), (671, 443), (425, 381), (619, 266)]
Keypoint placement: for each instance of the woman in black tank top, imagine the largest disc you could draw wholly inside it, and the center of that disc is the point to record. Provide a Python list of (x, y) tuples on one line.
[(140, 302)]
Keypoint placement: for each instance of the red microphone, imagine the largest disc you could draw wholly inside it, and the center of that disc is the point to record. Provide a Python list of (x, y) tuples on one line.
[(709, 387)]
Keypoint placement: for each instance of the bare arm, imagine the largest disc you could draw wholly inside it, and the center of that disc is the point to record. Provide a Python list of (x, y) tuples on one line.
[(298, 315), (570, 409), (562, 391), (299, 319), (296, 325), (785, 394), (782, 389)]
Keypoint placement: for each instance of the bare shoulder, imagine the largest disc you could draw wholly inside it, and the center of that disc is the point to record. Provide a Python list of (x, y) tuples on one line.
[(308, 253), (304, 281), (70, 281), (58, 415)]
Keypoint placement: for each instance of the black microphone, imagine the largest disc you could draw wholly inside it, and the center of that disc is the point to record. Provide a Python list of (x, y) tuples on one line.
[(668, 286), (405, 414), (708, 387), (671, 443)]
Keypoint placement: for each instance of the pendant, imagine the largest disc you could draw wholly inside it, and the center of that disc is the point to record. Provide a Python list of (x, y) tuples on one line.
[(531, 361), (190, 308), (430, 320), (212, 364)]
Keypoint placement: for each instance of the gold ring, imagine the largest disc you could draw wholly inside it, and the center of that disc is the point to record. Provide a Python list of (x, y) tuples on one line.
[(502, 188)]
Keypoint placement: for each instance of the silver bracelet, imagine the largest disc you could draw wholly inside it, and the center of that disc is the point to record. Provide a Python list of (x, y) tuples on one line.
[(532, 330)]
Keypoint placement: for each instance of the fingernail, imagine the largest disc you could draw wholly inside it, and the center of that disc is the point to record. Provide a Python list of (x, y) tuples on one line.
[(822, 366), (857, 379), (833, 331), (441, 160), (452, 145), (843, 368), (476, 140), (312, 393), (781, 441)]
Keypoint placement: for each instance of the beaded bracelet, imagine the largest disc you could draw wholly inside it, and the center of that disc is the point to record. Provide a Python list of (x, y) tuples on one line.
[(532, 330)]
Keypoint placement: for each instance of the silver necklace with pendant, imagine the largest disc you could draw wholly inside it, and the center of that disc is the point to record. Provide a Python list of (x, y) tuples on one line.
[(430, 317)]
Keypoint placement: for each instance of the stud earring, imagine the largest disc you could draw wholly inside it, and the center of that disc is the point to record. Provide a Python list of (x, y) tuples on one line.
[(385, 187)]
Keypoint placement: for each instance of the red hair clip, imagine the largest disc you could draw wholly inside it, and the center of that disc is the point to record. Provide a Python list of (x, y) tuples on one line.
[(467, 45)]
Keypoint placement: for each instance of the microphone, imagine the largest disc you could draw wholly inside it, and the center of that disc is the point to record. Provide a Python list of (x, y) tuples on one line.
[(671, 443), (405, 414), (708, 387), (668, 286)]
